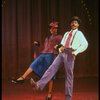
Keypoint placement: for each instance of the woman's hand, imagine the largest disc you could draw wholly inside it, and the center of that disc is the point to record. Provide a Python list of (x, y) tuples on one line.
[(37, 43), (55, 46)]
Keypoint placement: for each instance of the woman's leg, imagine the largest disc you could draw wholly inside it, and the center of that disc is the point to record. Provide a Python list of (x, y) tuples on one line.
[(21, 79), (28, 71), (50, 89), (33, 66)]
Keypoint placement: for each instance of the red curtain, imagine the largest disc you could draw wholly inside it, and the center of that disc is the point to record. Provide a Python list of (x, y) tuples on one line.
[(24, 21)]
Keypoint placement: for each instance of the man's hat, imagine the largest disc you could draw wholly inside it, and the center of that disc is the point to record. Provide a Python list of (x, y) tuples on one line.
[(54, 24), (76, 19)]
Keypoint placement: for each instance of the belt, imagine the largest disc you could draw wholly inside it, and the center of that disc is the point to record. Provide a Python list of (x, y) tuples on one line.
[(70, 49)]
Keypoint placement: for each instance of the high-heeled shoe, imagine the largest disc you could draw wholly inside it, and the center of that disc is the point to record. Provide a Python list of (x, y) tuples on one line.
[(48, 98), (18, 81)]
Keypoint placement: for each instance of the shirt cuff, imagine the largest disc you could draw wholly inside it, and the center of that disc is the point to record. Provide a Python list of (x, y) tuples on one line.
[(75, 53)]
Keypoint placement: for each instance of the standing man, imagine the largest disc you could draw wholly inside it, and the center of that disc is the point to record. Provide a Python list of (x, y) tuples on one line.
[(73, 43)]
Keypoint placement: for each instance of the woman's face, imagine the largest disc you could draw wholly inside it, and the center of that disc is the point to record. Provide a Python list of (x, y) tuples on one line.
[(53, 30)]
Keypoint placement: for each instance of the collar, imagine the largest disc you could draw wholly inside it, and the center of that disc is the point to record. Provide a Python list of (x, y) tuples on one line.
[(74, 30)]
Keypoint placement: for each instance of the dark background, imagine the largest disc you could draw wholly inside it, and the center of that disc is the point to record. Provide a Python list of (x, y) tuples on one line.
[(24, 21)]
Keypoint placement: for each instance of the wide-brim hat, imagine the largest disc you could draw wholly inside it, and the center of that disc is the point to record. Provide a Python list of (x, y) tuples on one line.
[(54, 24), (75, 18)]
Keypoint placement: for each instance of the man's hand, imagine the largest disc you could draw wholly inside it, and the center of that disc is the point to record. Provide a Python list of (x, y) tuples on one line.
[(61, 49), (73, 55), (57, 46)]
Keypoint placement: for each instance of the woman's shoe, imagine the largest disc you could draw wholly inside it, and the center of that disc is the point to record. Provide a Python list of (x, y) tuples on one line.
[(48, 98), (16, 81)]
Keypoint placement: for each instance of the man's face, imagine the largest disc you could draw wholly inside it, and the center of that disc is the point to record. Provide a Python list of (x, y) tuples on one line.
[(53, 30), (74, 24)]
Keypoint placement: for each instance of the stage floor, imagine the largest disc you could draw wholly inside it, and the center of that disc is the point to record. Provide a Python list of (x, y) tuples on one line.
[(84, 89)]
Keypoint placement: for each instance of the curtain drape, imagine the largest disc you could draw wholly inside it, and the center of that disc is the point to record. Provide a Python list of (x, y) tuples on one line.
[(24, 21)]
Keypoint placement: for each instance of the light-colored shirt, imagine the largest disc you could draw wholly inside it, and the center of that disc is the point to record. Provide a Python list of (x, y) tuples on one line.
[(79, 43)]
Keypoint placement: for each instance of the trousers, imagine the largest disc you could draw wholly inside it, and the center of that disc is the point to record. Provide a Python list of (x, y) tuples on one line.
[(68, 59)]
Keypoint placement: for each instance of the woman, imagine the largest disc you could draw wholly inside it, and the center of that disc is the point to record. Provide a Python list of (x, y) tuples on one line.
[(47, 56)]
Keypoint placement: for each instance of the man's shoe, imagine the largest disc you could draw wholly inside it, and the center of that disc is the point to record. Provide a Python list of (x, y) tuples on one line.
[(34, 84)]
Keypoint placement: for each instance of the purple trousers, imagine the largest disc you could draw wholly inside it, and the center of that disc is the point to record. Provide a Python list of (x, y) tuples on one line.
[(68, 59)]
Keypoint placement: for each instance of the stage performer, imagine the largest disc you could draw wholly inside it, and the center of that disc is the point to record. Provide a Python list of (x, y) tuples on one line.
[(45, 59)]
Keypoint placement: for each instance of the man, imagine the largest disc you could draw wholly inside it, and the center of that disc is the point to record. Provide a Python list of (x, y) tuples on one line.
[(73, 43), (45, 59)]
